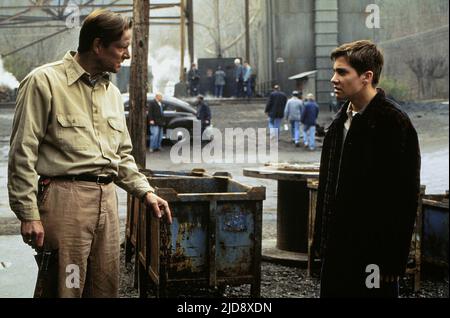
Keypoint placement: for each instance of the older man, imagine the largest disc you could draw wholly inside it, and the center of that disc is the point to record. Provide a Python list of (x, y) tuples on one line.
[(70, 129)]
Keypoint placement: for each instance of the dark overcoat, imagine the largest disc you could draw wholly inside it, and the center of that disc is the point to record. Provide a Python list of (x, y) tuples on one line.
[(367, 198)]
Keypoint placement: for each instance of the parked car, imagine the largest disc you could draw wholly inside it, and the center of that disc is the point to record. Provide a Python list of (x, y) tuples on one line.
[(177, 114)]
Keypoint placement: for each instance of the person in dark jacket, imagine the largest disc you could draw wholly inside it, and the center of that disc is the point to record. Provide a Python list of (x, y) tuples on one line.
[(369, 183), (308, 119), (203, 112), (219, 82), (194, 80), (155, 119), (275, 110)]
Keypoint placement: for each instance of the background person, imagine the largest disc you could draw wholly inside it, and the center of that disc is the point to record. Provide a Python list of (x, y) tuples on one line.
[(309, 120), (156, 122)]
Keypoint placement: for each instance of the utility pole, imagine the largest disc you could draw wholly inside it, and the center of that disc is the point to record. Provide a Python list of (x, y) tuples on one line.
[(219, 40), (139, 80), (247, 31), (190, 14), (183, 37)]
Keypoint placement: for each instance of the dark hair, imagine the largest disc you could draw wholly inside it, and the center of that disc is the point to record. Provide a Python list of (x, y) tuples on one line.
[(363, 56), (103, 24)]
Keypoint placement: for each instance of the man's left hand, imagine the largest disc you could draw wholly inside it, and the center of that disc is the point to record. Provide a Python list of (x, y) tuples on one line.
[(158, 205)]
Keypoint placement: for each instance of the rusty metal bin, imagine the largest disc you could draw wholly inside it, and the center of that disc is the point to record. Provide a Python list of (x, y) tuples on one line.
[(214, 240), (435, 230), (133, 207)]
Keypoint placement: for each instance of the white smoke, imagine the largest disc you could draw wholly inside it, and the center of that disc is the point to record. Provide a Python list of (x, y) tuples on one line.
[(165, 66), (164, 63), (6, 78)]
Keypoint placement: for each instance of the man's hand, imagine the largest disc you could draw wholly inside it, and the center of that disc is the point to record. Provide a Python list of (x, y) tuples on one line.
[(157, 204), (32, 233)]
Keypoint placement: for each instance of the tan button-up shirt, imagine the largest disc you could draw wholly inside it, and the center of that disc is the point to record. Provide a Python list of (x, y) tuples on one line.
[(67, 124)]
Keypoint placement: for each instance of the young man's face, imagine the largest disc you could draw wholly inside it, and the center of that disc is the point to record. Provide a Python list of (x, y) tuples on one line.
[(112, 57), (346, 81)]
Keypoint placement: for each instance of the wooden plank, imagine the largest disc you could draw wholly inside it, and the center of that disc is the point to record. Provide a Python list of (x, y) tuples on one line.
[(139, 80)]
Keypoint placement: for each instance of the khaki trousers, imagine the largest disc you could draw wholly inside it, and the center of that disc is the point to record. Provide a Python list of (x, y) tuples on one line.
[(81, 222)]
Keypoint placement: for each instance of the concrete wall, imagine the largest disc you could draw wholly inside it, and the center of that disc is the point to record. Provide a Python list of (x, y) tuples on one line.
[(419, 62), (412, 34), (293, 40)]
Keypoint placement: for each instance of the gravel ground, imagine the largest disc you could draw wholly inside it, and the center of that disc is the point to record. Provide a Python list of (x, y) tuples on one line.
[(279, 281)]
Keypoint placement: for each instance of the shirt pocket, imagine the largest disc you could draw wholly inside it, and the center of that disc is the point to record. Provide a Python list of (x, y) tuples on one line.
[(73, 132), (116, 130)]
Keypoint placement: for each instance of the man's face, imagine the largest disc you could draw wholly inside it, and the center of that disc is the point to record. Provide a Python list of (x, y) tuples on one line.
[(346, 81), (110, 58), (159, 98)]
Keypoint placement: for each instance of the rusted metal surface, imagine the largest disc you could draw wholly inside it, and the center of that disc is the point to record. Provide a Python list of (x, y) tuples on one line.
[(414, 265), (436, 229), (215, 237), (132, 208)]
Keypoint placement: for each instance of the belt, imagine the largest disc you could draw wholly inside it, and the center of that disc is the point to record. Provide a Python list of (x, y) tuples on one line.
[(84, 177)]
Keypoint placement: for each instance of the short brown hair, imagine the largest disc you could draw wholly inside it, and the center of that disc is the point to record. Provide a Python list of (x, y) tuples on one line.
[(103, 24), (363, 56)]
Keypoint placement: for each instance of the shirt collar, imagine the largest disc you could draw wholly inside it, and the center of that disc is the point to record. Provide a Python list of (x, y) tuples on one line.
[(351, 112), (75, 71)]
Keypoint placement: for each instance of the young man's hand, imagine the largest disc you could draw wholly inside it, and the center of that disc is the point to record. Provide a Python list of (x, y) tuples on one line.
[(158, 206), (32, 233)]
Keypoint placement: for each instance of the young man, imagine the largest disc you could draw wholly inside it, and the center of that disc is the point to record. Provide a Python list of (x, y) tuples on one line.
[(156, 122), (70, 129), (309, 119), (369, 182)]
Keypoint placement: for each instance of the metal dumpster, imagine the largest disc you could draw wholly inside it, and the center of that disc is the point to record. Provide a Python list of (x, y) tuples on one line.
[(214, 240), (435, 229), (133, 208)]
